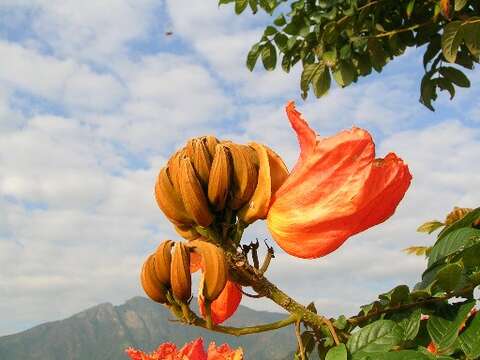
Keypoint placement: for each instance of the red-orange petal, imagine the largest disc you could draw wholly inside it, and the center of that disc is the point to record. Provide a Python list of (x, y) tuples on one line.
[(225, 305), (335, 190), (193, 351), (223, 352)]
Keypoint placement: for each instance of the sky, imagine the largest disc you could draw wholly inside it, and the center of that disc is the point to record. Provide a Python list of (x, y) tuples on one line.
[(94, 98)]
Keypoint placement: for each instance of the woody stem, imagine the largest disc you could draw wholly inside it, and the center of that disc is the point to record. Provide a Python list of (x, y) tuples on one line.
[(248, 274)]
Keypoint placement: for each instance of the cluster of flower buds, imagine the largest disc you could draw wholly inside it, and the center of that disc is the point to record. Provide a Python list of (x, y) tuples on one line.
[(166, 275), (209, 178)]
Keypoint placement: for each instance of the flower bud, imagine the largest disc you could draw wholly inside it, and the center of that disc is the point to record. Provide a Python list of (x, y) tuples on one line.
[(244, 174), (180, 277), (169, 200), (211, 143), (193, 195), (202, 162), (152, 286), (272, 173), (163, 259), (214, 268), (219, 179)]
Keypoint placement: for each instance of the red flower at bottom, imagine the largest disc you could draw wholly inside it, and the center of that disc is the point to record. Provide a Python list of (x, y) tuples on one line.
[(191, 351)]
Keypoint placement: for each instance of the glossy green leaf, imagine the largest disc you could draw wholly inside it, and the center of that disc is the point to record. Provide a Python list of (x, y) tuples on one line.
[(344, 74), (451, 40), (444, 332), (466, 221), (451, 243), (472, 36), (455, 76), (411, 325), (469, 339), (397, 295), (339, 352), (449, 276), (252, 56), (379, 336), (269, 56), (240, 6)]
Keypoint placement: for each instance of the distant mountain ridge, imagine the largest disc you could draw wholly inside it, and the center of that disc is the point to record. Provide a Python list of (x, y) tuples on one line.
[(104, 331)]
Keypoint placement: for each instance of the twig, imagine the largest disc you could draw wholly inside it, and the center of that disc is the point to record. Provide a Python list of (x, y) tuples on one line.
[(299, 340)]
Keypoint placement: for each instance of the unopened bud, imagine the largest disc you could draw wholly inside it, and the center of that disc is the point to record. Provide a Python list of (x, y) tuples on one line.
[(193, 195), (152, 286), (180, 277), (169, 200), (163, 259), (214, 268), (219, 180)]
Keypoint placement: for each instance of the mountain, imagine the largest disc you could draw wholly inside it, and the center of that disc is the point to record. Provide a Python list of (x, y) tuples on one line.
[(104, 331)]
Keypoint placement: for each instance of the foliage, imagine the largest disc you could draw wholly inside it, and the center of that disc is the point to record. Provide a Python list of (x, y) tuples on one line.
[(423, 322), (347, 39)]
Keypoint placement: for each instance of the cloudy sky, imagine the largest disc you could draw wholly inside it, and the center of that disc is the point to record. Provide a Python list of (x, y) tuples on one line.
[(94, 98)]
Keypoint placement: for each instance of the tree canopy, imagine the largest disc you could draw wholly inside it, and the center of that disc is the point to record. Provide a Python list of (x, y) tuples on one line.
[(347, 39)]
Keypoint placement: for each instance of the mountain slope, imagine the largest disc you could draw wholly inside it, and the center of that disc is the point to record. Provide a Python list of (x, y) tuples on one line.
[(104, 331)]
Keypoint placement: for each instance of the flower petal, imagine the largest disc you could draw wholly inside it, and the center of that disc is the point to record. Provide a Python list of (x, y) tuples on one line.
[(224, 352), (336, 191), (193, 351), (225, 305)]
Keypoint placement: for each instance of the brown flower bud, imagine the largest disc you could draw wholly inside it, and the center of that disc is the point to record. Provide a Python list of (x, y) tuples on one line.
[(193, 195), (214, 268), (271, 174), (152, 286), (219, 180), (163, 259), (202, 162), (180, 277), (244, 174), (456, 214), (211, 143), (169, 200)]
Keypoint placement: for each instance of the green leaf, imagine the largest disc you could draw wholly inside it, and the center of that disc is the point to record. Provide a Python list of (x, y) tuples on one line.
[(459, 4), (240, 6), (433, 47), (410, 7), (339, 352), (397, 295), (469, 340), (466, 221), (253, 5), (269, 56), (322, 82), (455, 76), (411, 325), (281, 41), (444, 332), (308, 73), (341, 322), (270, 30), (376, 52), (451, 40), (446, 84), (472, 37), (379, 336), (451, 243), (430, 226), (427, 92), (280, 20), (449, 276), (400, 355), (222, 2), (344, 74), (253, 56)]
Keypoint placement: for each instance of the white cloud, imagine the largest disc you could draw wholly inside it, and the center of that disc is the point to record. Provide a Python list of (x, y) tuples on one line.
[(63, 82)]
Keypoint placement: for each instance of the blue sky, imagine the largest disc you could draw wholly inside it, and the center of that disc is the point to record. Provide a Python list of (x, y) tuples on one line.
[(94, 98)]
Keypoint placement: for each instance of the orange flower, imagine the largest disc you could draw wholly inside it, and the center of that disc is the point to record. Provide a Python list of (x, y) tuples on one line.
[(336, 189), (225, 305), (191, 351)]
